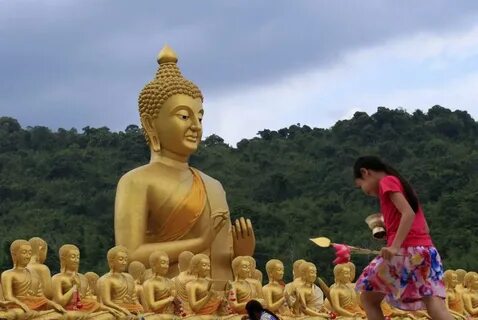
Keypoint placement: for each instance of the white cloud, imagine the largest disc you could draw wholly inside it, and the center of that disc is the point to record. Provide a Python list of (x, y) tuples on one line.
[(414, 72)]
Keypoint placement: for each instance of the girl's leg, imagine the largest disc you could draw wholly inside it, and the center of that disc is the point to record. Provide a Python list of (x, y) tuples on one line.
[(436, 308), (371, 303)]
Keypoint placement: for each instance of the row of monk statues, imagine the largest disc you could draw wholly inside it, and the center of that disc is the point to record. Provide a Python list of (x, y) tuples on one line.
[(131, 291)]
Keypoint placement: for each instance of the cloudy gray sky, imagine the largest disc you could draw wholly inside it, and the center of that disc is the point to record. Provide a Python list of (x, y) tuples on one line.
[(260, 64)]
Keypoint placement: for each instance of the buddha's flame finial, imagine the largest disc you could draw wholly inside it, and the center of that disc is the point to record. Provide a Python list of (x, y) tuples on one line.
[(167, 55)]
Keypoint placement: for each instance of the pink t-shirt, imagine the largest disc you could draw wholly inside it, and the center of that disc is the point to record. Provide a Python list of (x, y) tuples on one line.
[(418, 234)]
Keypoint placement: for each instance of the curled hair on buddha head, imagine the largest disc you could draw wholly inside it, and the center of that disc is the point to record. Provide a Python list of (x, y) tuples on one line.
[(167, 82), (376, 164)]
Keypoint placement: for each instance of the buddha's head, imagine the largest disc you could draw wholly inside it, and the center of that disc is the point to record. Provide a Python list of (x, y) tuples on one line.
[(308, 272), (200, 265), (118, 258), (461, 275), (170, 108), (92, 278), (275, 270), (21, 252), (296, 268), (159, 262), (471, 280), (450, 278), (69, 258), (136, 269), (352, 270), (342, 273), (241, 266), (184, 260), (39, 248)]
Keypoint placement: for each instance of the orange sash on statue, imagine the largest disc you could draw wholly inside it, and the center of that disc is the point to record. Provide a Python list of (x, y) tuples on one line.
[(182, 218), (34, 303), (210, 307)]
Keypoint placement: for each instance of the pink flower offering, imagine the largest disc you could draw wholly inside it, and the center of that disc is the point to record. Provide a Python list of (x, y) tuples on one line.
[(342, 253)]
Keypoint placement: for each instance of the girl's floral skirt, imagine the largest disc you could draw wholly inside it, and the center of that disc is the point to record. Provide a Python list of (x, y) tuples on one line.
[(416, 272)]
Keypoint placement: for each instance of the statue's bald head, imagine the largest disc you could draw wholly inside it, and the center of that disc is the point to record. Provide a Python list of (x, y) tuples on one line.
[(39, 248), (184, 260)]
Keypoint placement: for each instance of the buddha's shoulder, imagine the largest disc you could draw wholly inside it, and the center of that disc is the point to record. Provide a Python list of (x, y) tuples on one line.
[(209, 180)]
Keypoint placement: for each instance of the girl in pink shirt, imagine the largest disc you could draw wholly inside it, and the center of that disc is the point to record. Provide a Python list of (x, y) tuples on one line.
[(408, 272)]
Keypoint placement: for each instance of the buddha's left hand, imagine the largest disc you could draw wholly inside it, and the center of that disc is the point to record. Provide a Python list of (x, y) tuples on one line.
[(243, 237)]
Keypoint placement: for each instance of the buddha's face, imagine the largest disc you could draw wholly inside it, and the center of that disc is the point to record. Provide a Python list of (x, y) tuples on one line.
[(119, 262), (72, 260), (204, 268), (344, 275), (474, 282), (244, 269), (278, 272), (23, 255), (178, 125), (311, 274), (452, 280), (161, 266)]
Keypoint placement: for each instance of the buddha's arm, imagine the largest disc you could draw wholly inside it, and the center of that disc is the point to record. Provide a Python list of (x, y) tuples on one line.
[(106, 297), (324, 287), (308, 311), (58, 295), (196, 304), (7, 279), (336, 303), (157, 305), (273, 306), (235, 304), (46, 281), (131, 213), (468, 305)]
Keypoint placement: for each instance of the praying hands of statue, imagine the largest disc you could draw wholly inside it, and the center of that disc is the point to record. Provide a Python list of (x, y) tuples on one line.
[(243, 237)]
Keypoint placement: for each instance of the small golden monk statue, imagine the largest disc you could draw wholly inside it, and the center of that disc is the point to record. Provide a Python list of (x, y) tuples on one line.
[(203, 300), (241, 290), (37, 264), (310, 298), (460, 273), (159, 291), (70, 289), (454, 298), (343, 296), (290, 288), (22, 286), (92, 278), (137, 270), (167, 205), (253, 280), (470, 295), (274, 299), (184, 276), (117, 288)]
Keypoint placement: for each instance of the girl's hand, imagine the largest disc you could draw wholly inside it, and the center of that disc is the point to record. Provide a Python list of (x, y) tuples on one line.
[(389, 252)]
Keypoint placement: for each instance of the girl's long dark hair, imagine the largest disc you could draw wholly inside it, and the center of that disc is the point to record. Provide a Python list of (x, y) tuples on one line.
[(253, 307), (375, 164)]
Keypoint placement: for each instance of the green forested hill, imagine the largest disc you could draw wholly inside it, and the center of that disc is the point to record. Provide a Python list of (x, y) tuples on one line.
[(294, 183)]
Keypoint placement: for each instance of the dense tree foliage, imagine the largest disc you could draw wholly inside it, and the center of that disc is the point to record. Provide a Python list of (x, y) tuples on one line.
[(294, 183)]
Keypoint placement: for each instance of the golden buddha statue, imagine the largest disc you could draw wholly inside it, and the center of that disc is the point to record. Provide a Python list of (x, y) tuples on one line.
[(117, 288), (310, 298), (343, 296), (257, 275), (37, 263), (137, 270), (184, 276), (92, 278), (167, 205), (22, 287), (70, 289), (470, 295), (274, 291), (241, 290), (257, 285), (290, 288), (460, 273), (203, 301), (159, 291), (454, 298)]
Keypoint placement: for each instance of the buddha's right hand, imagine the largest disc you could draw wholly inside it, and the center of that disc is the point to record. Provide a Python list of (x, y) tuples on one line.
[(219, 219)]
